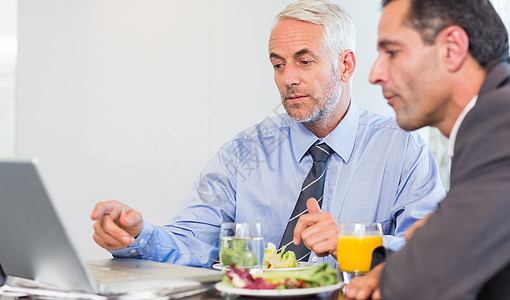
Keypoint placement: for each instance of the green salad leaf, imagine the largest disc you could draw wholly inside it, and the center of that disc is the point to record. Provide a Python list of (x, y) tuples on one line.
[(274, 259), (319, 275), (238, 254)]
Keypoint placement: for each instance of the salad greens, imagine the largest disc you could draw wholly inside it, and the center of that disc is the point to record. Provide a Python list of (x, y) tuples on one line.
[(319, 275), (237, 254), (273, 259)]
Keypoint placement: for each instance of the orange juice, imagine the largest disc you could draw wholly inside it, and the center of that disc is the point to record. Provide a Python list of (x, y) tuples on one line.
[(354, 253)]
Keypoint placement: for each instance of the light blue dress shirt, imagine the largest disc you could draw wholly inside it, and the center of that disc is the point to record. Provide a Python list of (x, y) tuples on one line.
[(377, 173)]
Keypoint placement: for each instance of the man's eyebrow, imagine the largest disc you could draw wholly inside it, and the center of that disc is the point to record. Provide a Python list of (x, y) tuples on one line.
[(386, 43), (298, 53), (274, 55), (303, 51)]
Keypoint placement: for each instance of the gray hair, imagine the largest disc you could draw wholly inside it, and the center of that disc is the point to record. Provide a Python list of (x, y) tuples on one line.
[(339, 31)]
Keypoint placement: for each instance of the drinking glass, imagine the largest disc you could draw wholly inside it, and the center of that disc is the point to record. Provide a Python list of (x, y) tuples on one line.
[(356, 242), (242, 244)]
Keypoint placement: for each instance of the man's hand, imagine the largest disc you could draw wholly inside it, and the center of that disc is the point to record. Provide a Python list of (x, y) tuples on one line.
[(116, 225), (366, 286), (317, 230), (416, 225)]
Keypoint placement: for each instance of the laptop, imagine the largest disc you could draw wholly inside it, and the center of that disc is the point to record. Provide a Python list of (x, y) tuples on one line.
[(35, 245)]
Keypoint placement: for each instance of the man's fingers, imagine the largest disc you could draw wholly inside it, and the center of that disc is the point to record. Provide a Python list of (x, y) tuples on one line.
[(323, 247), (111, 234), (105, 240), (113, 208), (130, 219), (321, 234), (305, 220), (97, 212), (322, 237), (116, 224), (376, 295), (313, 206), (113, 229), (365, 287)]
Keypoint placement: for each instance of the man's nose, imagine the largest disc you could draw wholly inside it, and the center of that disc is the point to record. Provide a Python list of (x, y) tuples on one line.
[(377, 73), (291, 76)]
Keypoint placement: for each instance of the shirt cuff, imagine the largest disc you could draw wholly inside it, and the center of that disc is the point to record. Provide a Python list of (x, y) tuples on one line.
[(393, 243), (135, 250)]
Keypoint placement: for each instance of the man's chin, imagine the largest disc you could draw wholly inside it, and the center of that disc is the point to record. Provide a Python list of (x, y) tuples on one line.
[(407, 125), (307, 117), (297, 114), (300, 118)]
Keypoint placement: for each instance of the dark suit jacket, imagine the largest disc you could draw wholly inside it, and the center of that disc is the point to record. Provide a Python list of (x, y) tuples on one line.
[(2, 276), (463, 251)]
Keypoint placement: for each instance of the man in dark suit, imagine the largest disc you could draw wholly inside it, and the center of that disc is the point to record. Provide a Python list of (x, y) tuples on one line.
[(444, 63), (2, 276)]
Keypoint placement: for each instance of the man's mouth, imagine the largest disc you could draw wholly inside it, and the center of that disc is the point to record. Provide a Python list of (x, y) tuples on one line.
[(390, 97), (295, 98)]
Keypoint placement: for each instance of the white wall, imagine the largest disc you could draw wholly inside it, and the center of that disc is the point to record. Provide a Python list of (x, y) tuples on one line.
[(128, 99), (8, 43)]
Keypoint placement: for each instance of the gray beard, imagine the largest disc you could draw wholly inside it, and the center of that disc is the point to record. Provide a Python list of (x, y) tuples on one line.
[(319, 112)]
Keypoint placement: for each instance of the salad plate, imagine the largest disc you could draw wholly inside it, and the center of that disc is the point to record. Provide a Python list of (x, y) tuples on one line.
[(301, 266), (216, 266), (227, 288)]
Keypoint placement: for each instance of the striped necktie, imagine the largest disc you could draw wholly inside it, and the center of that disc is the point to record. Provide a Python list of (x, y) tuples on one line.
[(313, 186)]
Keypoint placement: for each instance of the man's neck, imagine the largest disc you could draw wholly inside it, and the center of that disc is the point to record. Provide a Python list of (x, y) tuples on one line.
[(324, 127), (466, 85)]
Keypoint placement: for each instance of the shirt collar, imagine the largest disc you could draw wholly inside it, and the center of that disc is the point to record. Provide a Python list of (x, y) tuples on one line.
[(458, 122), (341, 139)]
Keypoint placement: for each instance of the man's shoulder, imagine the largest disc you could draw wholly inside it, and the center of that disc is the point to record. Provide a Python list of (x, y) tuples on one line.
[(486, 126), (496, 99), (270, 128), (492, 104), (376, 124), (375, 120)]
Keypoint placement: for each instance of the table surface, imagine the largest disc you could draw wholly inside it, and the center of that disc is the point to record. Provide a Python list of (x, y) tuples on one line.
[(210, 294), (208, 291)]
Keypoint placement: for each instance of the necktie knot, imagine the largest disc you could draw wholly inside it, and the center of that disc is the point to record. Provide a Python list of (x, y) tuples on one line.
[(320, 153)]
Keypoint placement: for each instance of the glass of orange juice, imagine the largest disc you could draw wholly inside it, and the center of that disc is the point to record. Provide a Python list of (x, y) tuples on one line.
[(356, 242)]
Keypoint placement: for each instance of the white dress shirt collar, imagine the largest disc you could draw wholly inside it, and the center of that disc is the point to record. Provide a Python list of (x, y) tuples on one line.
[(456, 125), (341, 139)]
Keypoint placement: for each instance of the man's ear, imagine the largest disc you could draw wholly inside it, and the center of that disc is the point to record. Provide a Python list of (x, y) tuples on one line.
[(347, 64), (455, 46)]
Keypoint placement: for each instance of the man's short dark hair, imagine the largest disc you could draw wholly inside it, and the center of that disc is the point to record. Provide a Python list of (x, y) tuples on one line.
[(488, 38)]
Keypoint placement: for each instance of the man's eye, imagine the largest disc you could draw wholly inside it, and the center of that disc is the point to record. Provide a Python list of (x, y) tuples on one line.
[(392, 53), (278, 66), (306, 62)]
